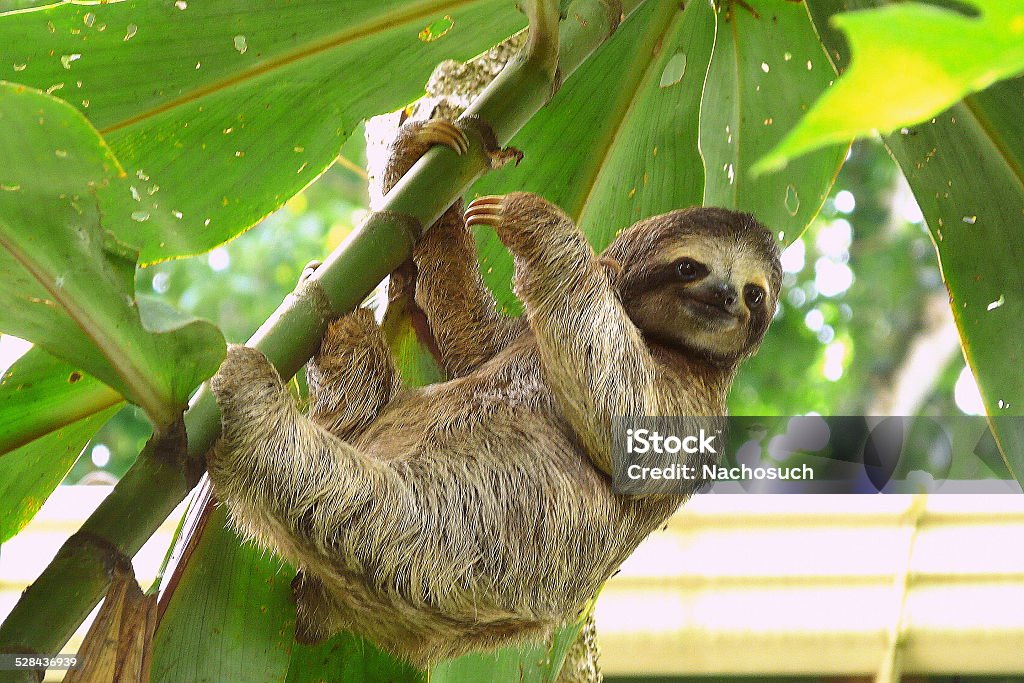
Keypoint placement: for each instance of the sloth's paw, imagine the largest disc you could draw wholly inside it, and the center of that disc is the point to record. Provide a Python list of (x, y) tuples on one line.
[(245, 380), (517, 217), (415, 138)]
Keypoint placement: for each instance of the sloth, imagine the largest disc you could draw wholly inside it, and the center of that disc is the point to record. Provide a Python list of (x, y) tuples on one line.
[(480, 512)]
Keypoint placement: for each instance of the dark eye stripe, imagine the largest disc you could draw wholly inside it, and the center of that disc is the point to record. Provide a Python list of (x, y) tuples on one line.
[(663, 275)]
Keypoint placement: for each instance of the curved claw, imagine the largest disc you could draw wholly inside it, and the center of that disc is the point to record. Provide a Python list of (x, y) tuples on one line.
[(441, 132), (308, 271), (486, 210)]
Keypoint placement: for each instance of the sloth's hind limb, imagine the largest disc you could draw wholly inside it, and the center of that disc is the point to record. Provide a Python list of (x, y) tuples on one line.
[(293, 486)]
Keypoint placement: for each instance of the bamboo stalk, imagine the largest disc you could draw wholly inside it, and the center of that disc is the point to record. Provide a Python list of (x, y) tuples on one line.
[(58, 601)]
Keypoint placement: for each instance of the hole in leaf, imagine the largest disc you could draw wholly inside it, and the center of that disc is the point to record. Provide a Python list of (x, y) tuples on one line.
[(437, 29), (792, 200)]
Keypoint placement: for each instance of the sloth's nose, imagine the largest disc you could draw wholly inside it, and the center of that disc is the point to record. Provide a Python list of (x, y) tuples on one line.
[(723, 294), (718, 293)]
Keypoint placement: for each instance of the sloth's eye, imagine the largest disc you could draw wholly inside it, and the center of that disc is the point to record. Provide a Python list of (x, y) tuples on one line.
[(690, 270), (754, 295)]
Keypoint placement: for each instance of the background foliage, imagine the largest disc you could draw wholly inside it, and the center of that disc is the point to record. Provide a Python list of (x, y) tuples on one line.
[(228, 115)]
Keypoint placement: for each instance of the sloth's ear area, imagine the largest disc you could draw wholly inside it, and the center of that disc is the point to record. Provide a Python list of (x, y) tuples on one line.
[(612, 268)]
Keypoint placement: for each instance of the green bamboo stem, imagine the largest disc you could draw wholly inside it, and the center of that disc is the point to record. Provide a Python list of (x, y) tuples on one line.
[(57, 602)]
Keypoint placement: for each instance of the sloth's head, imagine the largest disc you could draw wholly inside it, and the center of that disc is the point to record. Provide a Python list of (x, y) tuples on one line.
[(703, 281)]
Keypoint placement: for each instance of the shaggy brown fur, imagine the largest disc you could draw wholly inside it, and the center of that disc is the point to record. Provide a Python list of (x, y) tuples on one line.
[(479, 512)]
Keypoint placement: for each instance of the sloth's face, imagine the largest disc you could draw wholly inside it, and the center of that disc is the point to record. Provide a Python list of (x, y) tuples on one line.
[(709, 286)]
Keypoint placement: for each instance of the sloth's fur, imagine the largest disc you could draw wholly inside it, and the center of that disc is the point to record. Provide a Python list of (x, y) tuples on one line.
[(478, 512)]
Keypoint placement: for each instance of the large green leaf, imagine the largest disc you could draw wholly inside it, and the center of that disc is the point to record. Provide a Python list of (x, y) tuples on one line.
[(966, 168), (967, 172), (65, 283), (619, 141), (227, 619), (40, 394), (221, 111), (905, 71), (768, 67), (29, 474)]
